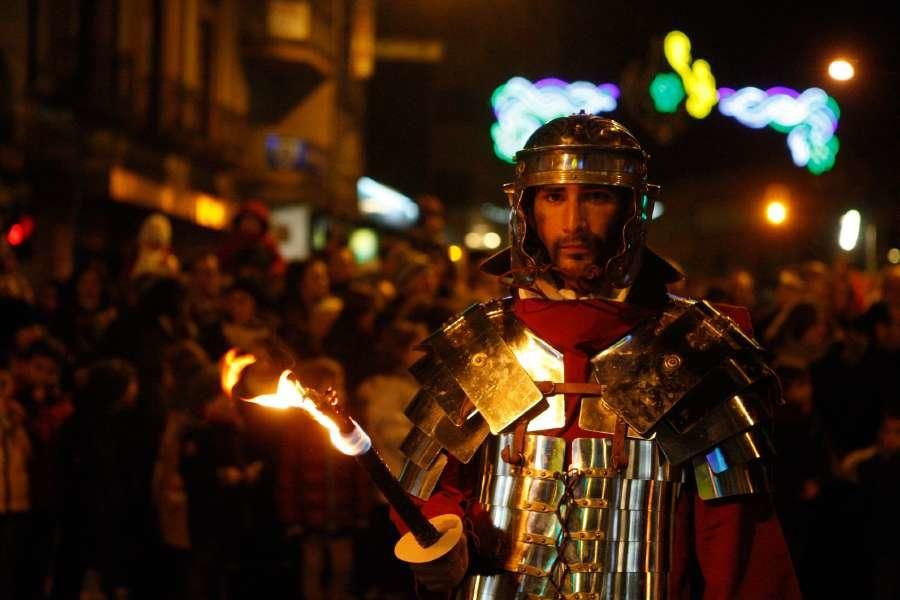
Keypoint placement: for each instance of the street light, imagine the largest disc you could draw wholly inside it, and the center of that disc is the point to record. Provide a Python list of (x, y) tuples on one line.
[(776, 212), (841, 70), (777, 198), (849, 233)]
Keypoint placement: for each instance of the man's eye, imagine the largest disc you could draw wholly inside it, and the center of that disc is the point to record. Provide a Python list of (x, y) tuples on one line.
[(553, 196)]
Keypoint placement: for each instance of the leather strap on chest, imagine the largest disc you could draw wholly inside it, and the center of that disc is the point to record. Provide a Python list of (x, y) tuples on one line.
[(513, 454)]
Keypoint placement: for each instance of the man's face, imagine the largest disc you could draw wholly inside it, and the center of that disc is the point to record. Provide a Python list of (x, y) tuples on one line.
[(576, 223)]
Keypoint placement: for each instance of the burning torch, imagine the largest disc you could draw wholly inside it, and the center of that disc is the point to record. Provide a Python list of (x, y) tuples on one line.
[(427, 540)]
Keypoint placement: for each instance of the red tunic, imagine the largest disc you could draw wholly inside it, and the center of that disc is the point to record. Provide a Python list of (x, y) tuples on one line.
[(735, 545)]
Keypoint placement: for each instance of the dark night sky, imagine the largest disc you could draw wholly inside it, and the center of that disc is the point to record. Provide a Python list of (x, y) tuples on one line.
[(429, 124)]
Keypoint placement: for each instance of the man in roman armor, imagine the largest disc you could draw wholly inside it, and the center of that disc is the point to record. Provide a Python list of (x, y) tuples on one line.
[(600, 438)]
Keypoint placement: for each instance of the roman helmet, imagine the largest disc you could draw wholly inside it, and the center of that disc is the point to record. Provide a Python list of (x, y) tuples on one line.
[(584, 149)]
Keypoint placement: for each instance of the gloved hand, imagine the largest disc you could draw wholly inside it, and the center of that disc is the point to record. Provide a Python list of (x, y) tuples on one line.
[(445, 573)]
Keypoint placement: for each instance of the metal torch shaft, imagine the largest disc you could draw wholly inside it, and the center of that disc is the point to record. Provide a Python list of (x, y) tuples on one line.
[(424, 532)]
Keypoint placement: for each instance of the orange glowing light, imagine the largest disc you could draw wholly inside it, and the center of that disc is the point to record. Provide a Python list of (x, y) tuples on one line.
[(776, 212), (841, 70), (232, 367), (292, 394)]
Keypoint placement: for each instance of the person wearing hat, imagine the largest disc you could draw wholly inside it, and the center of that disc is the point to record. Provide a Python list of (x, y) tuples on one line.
[(598, 437)]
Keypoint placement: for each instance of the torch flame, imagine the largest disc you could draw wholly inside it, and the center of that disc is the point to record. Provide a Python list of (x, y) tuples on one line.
[(232, 367), (291, 394)]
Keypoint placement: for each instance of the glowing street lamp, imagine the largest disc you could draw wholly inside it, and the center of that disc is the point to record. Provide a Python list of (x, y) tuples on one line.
[(776, 212), (455, 253), (849, 233), (841, 70)]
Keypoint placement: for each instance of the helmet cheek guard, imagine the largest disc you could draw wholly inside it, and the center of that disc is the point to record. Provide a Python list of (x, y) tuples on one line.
[(582, 149)]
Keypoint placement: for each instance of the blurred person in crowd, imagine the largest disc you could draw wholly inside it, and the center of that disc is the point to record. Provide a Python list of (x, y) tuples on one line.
[(223, 484), (205, 292), (13, 283), (429, 231), (353, 336), (385, 393), (37, 368), (39, 372), (49, 300), (250, 252), (341, 270), (183, 360), (93, 248), (159, 319), (415, 282), (802, 338), (877, 386), (154, 256), (30, 329), (383, 396), (802, 468), (889, 297), (816, 276), (18, 580), (323, 494), (890, 286), (877, 476), (393, 254), (418, 285), (886, 445), (142, 336), (805, 341), (453, 282), (243, 324), (592, 314), (309, 310), (788, 291), (103, 492), (847, 299), (86, 314)]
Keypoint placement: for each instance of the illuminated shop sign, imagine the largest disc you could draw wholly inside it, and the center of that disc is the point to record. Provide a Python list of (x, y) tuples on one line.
[(203, 209), (385, 205)]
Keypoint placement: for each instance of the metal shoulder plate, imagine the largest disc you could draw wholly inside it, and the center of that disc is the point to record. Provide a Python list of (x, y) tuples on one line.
[(472, 384), (696, 383)]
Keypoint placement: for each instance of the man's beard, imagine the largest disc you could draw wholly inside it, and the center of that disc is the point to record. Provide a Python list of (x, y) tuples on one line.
[(585, 271)]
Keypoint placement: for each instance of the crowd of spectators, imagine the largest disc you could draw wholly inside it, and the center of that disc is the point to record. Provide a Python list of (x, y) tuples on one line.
[(127, 472)]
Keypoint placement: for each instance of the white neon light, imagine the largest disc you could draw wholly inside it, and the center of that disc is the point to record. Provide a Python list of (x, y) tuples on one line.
[(385, 204), (809, 118), (522, 106), (849, 233)]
